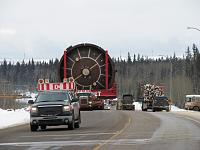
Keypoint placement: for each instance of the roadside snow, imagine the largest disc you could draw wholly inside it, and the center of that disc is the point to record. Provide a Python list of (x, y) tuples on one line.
[(175, 108), (138, 106), (11, 118)]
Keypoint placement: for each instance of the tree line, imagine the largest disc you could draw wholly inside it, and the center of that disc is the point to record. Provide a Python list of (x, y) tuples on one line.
[(182, 73)]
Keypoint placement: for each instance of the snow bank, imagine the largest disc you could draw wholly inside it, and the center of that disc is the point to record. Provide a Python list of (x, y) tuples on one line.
[(175, 108), (138, 105), (11, 118)]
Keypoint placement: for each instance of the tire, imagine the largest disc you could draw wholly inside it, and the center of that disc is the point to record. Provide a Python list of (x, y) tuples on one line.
[(77, 124), (34, 127), (196, 108), (144, 109), (167, 110), (71, 125), (153, 109), (43, 127)]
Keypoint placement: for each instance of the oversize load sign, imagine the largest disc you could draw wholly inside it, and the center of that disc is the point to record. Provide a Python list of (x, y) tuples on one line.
[(56, 86)]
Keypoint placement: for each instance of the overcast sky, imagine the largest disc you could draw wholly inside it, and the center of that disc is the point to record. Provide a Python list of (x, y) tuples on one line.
[(42, 29)]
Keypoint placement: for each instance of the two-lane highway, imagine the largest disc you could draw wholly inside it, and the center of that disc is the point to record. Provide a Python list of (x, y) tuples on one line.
[(110, 130)]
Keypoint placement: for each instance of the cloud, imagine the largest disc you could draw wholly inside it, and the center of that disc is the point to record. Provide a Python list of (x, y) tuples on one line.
[(7, 31), (146, 27)]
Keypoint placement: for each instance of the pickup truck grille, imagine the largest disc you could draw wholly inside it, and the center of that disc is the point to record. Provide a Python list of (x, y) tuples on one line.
[(83, 101), (50, 110)]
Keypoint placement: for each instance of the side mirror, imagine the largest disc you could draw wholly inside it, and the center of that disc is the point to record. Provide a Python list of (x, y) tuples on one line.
[(75, 100), (30, 102)]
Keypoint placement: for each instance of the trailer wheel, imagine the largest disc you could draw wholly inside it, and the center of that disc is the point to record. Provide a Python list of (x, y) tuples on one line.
[(144, 109), (196, 108)]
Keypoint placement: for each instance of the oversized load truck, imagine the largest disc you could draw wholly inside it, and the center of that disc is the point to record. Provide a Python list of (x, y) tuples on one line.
[(92, 70), (89, 100), (86, 100), (153, 98)]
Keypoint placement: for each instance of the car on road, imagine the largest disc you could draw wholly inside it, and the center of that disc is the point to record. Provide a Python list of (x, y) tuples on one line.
[(192, 102), (52, 108)]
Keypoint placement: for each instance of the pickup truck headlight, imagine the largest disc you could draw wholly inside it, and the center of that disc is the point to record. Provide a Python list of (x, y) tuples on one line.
[(33, 109), (66, 108)]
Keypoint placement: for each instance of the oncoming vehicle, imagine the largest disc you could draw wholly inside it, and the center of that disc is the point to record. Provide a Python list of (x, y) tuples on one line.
[(127, 102), (86, 100), (161, 103), (107, 106), (54, 107), (192, 102)]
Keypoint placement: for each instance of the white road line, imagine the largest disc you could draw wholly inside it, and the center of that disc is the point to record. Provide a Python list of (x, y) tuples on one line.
[(82, 134), (189, 118), (94, 142), (186, 116), (77, 143)]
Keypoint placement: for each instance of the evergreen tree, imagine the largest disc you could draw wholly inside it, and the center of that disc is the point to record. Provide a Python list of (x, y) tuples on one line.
[(129, 58)]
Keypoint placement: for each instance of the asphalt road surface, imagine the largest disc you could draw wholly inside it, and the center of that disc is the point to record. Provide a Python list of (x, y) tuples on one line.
[(111, 130)]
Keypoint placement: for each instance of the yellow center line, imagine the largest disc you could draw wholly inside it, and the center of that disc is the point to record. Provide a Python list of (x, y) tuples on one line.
[(112, 137)]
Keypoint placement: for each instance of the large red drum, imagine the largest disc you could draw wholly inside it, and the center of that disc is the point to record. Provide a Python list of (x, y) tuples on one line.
[(86, 64)]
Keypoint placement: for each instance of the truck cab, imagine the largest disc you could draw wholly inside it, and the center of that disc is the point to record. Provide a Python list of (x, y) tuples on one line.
[(86, 100), (127, 102)]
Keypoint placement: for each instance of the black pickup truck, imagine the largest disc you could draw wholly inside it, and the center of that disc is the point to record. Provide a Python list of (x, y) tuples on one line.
[(161, 103), (52, 108), (127, 102)]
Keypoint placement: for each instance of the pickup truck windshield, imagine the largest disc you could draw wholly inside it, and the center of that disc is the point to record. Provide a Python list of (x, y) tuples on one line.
[(52, 97)]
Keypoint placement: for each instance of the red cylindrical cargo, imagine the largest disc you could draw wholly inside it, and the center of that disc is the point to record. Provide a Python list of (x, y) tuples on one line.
[(86, 64)]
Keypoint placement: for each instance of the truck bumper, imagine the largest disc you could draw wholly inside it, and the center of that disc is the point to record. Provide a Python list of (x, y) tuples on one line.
[(161, 107), (128, 107), (51, 120)]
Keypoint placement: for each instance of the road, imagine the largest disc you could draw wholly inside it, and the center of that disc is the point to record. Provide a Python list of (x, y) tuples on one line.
[(111, 130)]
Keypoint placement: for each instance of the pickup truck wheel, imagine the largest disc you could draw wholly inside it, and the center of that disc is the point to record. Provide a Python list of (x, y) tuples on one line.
[(71, 124), (34, 127), (77, 124), (196, 108), (43, 127)]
